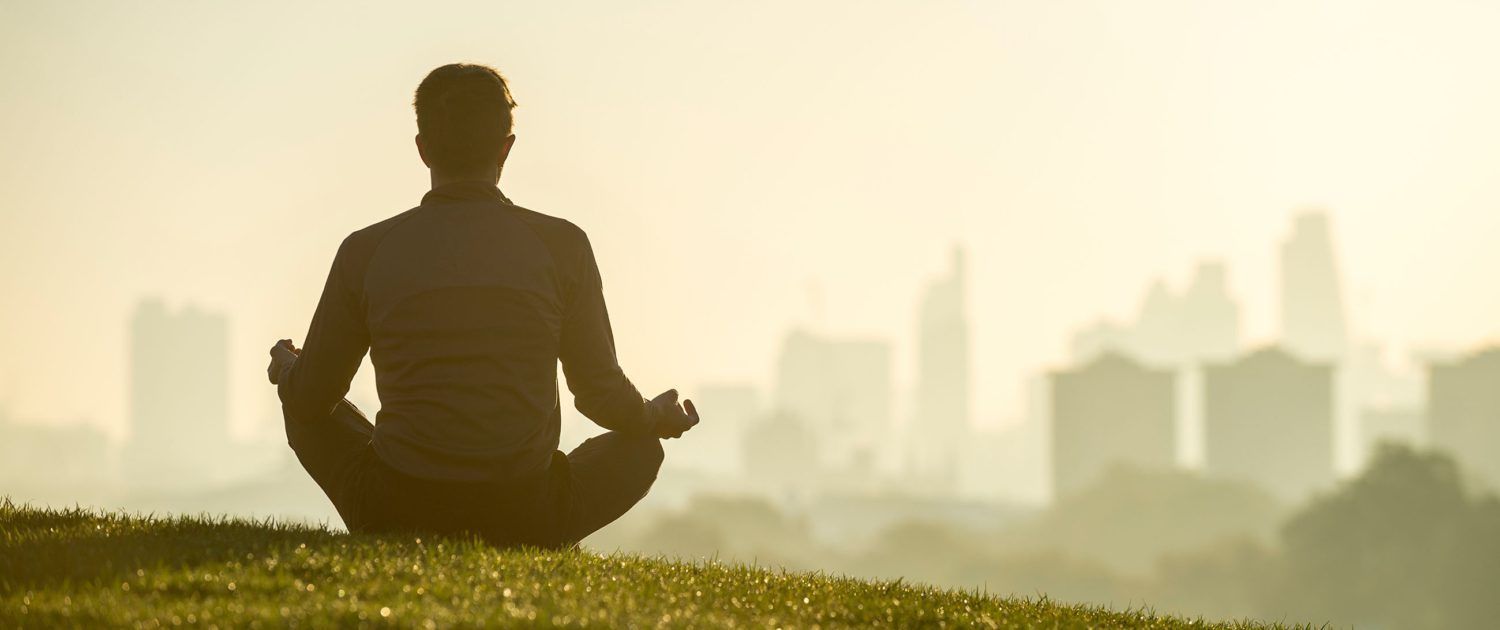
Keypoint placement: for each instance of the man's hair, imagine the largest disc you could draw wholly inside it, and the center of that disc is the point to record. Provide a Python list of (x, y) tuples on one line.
[(463, 115)]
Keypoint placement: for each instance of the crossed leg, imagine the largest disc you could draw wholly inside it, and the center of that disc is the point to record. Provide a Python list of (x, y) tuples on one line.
[(606, 475), (334, 451), (610, 474)]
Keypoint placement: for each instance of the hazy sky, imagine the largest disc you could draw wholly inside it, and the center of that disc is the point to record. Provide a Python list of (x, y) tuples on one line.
[(733, 160)]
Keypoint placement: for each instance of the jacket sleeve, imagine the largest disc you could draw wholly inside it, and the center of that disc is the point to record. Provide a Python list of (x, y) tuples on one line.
[(335, 345), (600, 389)]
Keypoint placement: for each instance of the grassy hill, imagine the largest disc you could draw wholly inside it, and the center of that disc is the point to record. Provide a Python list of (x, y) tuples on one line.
[(81, 567)]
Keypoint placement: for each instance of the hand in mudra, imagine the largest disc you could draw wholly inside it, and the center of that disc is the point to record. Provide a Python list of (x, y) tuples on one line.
[(672, 419), (283, 354)]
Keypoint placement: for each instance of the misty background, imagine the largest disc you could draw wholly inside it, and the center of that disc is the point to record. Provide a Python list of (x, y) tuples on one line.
[(1010, 272)]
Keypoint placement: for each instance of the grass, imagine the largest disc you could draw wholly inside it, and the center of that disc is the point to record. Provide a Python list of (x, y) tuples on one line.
[(86, 568)]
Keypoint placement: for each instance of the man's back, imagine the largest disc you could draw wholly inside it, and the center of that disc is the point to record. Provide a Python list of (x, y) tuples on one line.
[(466, 303), (465, 297)]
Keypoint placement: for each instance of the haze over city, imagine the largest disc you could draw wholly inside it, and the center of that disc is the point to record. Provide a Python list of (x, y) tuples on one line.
[(956, 285), (768, 168)]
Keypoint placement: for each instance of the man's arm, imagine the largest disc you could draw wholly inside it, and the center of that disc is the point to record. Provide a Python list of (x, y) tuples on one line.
[(600, 389), (317, 378)]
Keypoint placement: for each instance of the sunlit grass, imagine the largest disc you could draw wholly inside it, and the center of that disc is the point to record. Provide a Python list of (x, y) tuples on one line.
[(83, 567)]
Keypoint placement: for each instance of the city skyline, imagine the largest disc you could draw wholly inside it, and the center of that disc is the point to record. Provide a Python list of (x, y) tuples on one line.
[(1160, 391), (1145, 334), (1105, 153), (1170, 312)]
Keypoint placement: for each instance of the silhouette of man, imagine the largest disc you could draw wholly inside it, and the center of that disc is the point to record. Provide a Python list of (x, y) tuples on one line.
[(466, 303)]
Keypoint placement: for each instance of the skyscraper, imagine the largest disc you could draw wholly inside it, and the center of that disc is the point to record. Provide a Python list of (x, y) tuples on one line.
[(717, 446), (1463, 398), (179, 407), (1173, 329), (841, 390), (1112, 411), (1268, 419), (1314, 324), (943, 397)]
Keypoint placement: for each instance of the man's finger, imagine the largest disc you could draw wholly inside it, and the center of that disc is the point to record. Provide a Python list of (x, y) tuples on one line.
[(692, 410)]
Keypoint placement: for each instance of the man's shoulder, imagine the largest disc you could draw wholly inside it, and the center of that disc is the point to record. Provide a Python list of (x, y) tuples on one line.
[(361, 243), (378, 229), (561, 236), (547, 225)]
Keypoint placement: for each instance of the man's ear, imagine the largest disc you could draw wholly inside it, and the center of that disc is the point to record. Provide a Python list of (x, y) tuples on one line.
[(420, 152), (510, 141)]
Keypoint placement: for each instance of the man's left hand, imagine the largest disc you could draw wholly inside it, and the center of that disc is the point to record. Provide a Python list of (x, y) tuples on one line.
[(283, 354)]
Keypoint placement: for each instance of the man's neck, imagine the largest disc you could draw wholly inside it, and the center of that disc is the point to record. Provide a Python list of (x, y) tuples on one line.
[(491, 178)]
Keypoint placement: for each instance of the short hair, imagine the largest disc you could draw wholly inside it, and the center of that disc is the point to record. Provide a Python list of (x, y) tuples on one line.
[(463, 116)]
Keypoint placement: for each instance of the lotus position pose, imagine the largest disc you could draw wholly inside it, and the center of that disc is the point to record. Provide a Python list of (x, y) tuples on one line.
[(466, 303)]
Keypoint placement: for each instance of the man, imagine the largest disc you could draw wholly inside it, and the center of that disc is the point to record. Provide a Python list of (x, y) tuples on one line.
[(466, 303)]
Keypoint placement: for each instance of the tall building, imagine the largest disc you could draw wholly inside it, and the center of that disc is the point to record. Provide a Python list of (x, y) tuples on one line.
[(179, 403), (1112, 411), (717, 443), (841, 390), (1201, 323), (941, 423), (1314, 324), (1463, 407), (1269, 419), (54, 461), (781, 456)]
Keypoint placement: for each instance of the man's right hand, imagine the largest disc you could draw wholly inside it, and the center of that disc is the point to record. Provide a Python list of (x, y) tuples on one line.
[(672, 419)]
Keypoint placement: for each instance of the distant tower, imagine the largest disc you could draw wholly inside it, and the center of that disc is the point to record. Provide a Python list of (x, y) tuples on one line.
[(781, 455), (1269, 419), (179, 403), (1464, 411), (1210, 316), (719, 448), (943, 395), (1202, 323), (1314, 324), (840, 389), (1112, 411)]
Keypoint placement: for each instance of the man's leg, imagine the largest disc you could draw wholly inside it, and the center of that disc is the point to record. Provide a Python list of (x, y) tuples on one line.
[(333, 450), (611, 473)]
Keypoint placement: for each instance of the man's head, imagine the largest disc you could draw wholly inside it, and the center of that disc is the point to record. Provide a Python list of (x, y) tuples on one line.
[(464, 121)]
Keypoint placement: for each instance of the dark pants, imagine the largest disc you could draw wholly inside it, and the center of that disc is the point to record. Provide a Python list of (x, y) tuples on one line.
[(578, 494)]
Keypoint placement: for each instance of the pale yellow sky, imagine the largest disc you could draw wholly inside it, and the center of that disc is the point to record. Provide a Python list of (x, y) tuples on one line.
[(727, 156)]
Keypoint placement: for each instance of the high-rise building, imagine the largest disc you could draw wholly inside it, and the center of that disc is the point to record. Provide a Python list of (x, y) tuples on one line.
[(781, 456), (1269, 419), (1201, 323), (179, 403), (48, 461), (1110, 412), (941, 423), (841, 390), (1463, 408), (717, 446), (1314, 324)]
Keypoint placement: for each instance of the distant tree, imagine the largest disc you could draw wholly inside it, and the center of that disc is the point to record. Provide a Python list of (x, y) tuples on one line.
[(1219, 582), (683, 536), (731, 527), (945, 555), (1132, 517), (1402, 545)]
